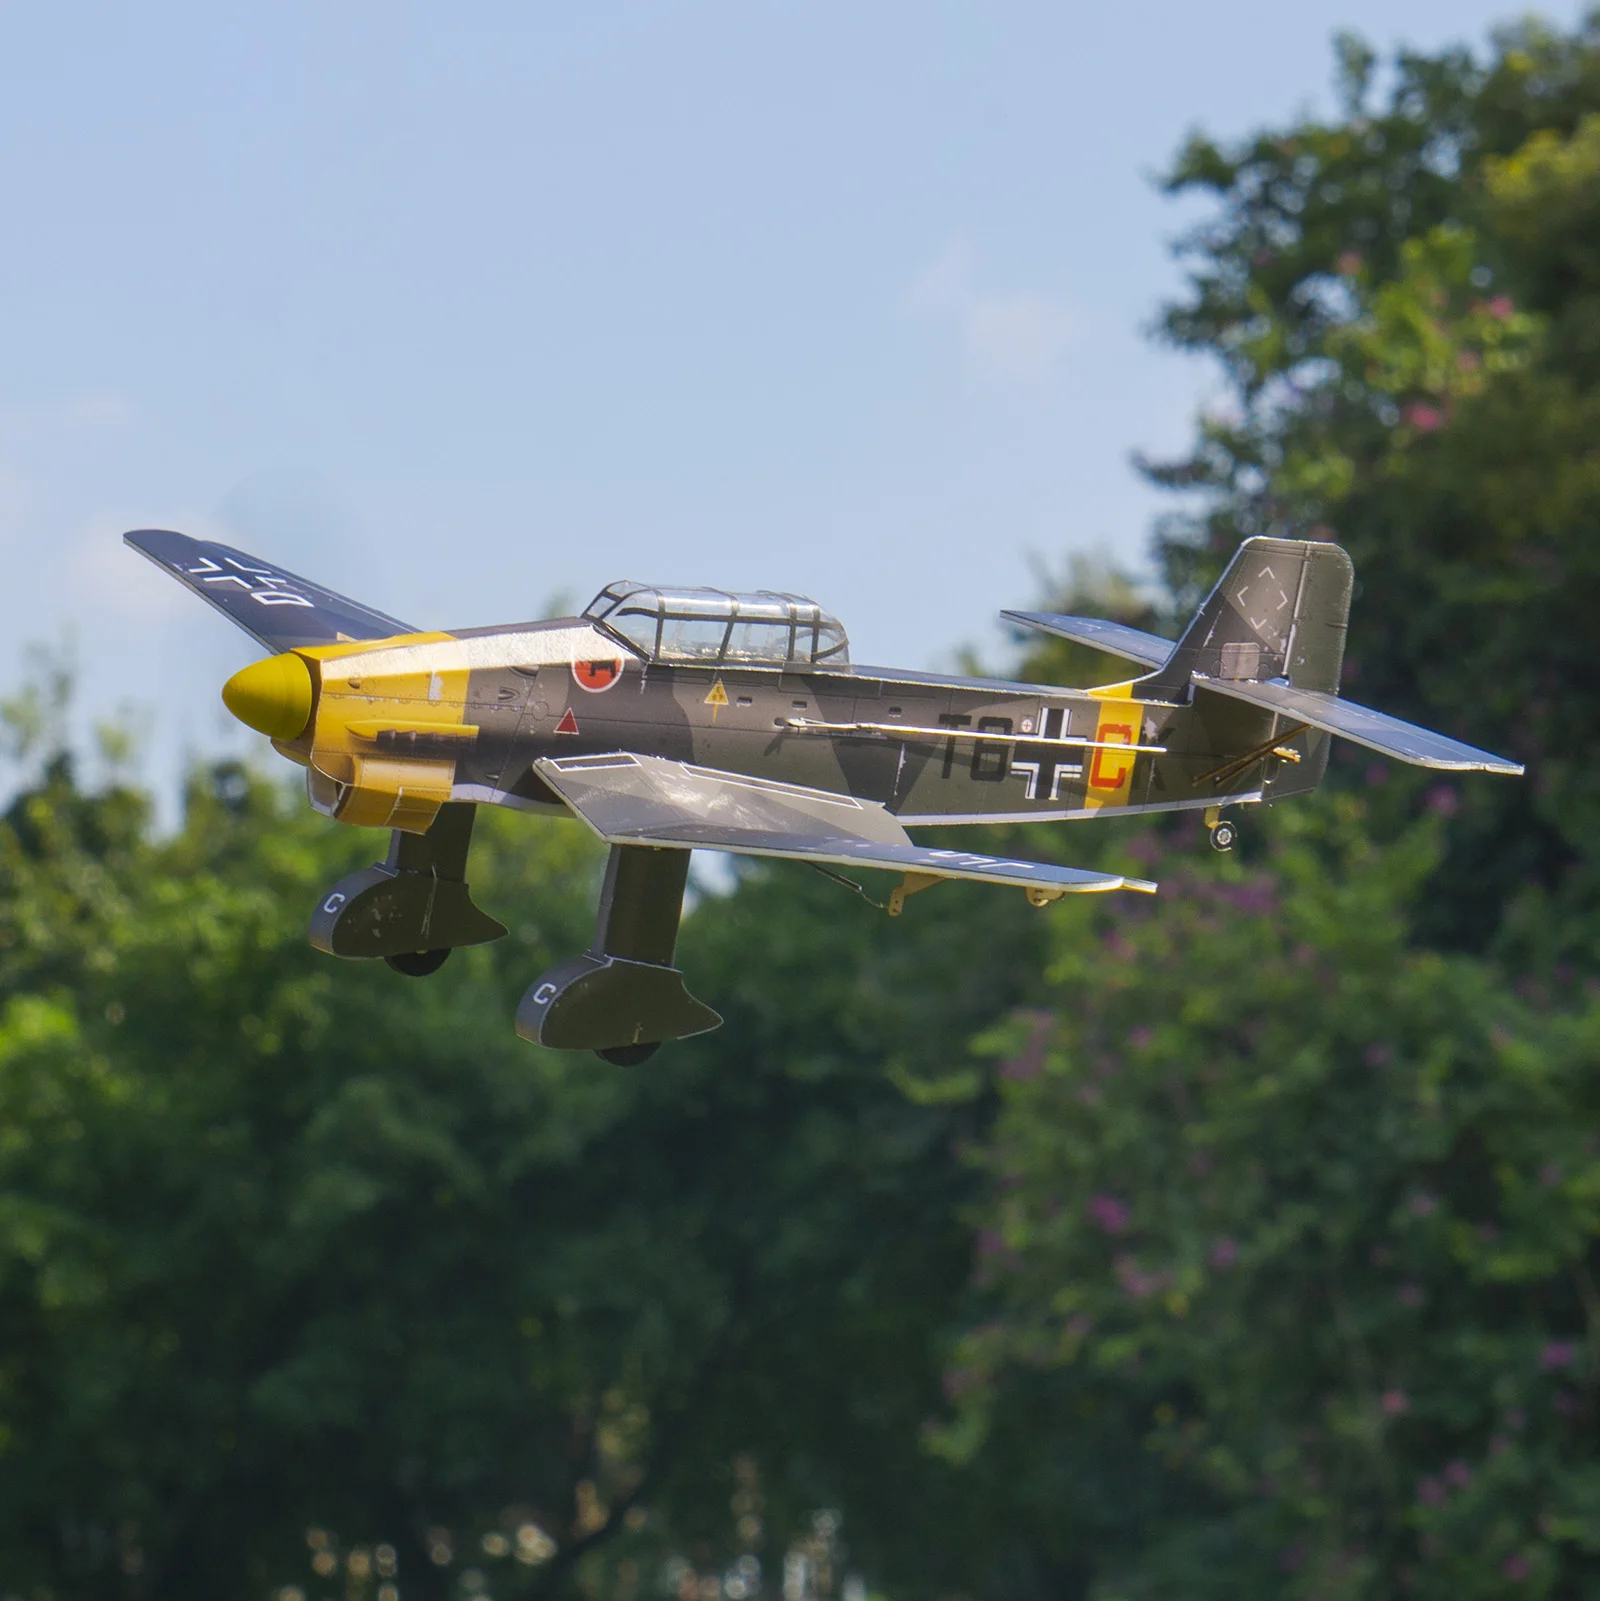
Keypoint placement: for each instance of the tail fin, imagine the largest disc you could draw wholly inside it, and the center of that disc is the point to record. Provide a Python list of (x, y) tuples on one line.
[(1279, 612), (1271, 636)]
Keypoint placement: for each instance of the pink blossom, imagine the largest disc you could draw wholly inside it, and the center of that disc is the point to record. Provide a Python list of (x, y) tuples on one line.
[(1430, 1492), (1425, 419), (1395, 1402), (991, 1243), (1469, 361), (1111, 1214), (1140, 1037), (1252, 899), (1136, 1282), (1458, 1474), (1410, 1295), (1516, 1566), (1349, 263), (1029, 1061), (1377, 773), (1224, 1252), (1144, 848), (1079, 1324), (1443, 800), (957, 1381), (1501, 307), (1422, 1204), (1558, 1354)]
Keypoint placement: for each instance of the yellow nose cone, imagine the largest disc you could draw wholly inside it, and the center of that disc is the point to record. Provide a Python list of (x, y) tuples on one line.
[(273, 697)]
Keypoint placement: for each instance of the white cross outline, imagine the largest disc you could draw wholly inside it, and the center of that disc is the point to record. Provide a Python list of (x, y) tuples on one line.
[(211, 572), (1030, 770)]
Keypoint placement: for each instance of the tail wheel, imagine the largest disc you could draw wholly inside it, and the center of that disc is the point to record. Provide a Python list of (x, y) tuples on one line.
[(1224, 836), (418, 964)]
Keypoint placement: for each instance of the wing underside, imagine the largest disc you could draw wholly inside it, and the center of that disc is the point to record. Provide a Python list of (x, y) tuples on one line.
[(277, 608), (1361, 725), (1116, 639), (648, 800)]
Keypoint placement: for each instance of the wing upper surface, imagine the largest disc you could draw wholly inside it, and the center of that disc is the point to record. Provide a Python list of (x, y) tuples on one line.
[(1116, 639), (276, 607), (1363, 726), (648, 800)]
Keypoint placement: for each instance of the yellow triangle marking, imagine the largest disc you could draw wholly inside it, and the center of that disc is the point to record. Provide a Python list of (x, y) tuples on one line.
[(717, 699)]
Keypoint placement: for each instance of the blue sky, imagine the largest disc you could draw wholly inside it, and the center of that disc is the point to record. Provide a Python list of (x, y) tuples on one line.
[(459, 309)]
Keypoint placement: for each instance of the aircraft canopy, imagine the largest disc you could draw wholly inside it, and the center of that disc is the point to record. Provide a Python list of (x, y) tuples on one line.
[(715, 627)]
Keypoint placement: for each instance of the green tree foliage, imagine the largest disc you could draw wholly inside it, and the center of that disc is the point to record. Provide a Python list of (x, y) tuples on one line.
[(1311, 1213), (1406, 302), (289, 1244), (1291, 1239), (1252, 1251)]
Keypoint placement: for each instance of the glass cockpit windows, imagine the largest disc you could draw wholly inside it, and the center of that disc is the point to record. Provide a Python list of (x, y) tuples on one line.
[(639, 628), (762, 641), (712, 626), (832, 646), (692, 639)]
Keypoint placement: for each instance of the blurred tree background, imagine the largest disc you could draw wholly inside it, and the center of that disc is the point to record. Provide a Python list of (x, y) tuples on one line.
[(1242, 1243)]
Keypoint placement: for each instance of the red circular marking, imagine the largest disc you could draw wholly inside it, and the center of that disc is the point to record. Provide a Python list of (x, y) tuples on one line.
[(597, 675)]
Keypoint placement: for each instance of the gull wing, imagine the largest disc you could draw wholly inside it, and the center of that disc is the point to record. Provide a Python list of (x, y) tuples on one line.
[(648, 800), (1116, 639), (271, 605), (1361, 725)]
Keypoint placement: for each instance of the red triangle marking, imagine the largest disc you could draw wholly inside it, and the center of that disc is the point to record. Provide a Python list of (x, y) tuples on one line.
[(568, 723)]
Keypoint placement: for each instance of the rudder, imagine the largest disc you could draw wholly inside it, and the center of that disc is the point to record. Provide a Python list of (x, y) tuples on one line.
[(1279, 611)]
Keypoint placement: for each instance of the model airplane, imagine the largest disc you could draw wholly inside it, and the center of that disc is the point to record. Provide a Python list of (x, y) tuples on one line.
[(672, 720)]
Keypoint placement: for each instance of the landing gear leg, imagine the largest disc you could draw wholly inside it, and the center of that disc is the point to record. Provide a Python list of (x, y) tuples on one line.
[(414, 907), (623, 998), (1224, 835)]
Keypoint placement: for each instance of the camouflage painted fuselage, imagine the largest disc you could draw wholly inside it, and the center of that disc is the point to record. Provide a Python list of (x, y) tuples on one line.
[(402, 725)]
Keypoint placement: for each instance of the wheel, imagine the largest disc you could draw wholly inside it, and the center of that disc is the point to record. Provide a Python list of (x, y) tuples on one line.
[(418, 964), (629, 1055), (1224, 837)]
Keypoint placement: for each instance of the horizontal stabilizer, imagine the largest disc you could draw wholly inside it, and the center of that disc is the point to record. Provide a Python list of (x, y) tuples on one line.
[(1116, 639), (1388, 736), (275, 607), (648, 800)]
